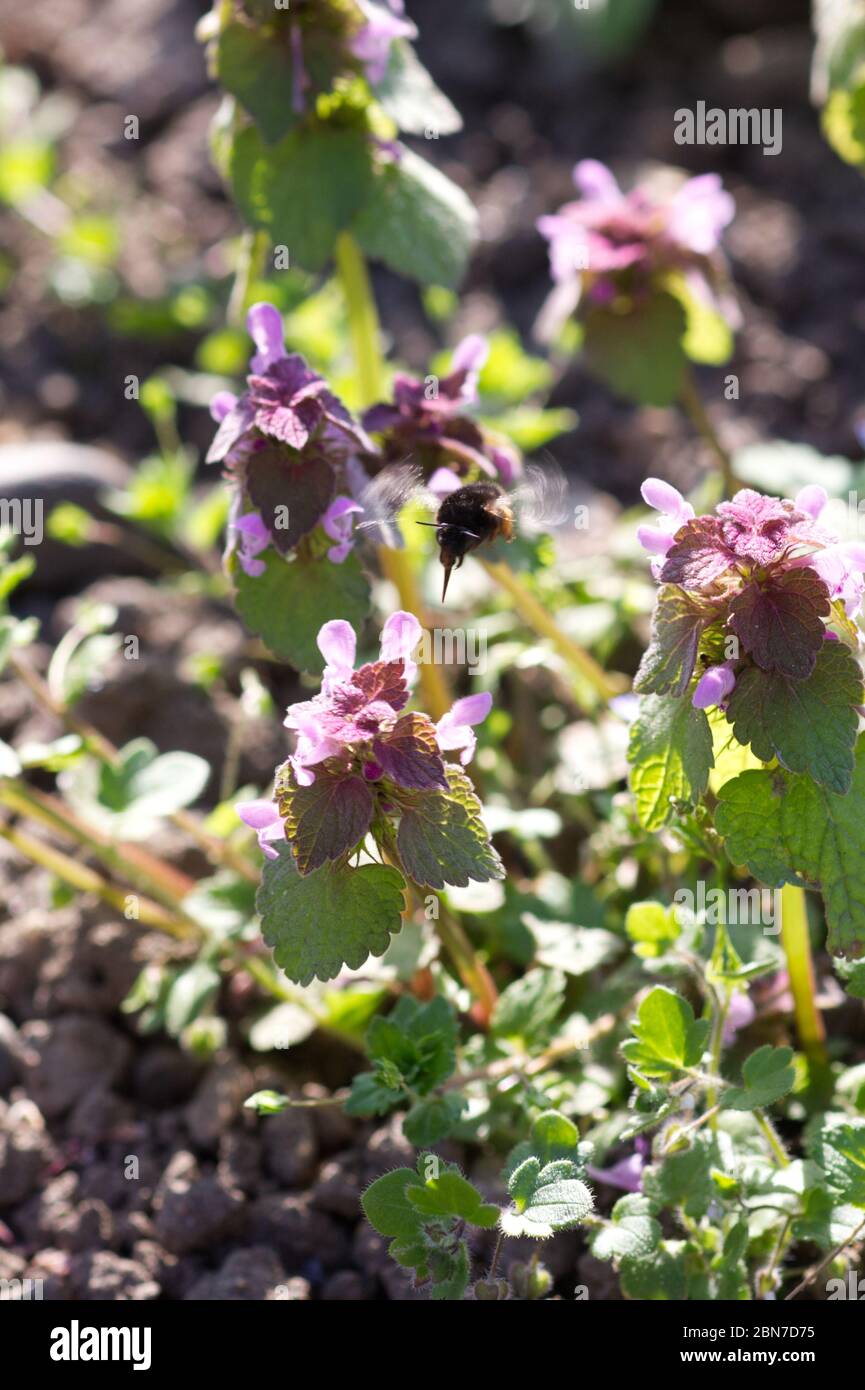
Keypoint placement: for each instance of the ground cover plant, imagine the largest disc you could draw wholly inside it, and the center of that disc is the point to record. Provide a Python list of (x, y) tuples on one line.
[(519, 925)]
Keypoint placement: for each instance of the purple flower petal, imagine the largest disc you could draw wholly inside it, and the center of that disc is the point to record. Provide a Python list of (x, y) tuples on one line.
[(264, 323), (373, 42), (221, 405), (811, 499), (399, 637), (713, 687), (595, 181), (657, 542), (337, 642)]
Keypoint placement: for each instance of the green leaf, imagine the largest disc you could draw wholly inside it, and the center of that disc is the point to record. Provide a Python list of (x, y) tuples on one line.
[(631, 1230), (768, 1075), (528, 1008), (661, 1277), (450, 1194), (653, 927), (411, 98), (449, 1270), (784, 827), (414, 1049), (130, 798), (670, 752), (839, 1148), (288, 604), (442, 839), (304, 190), (685, 1178), (430, 1121), (668, 1037), (780, 621), (546, 1199), (331, 918), (191, 992), (418, 222), (639, 353), (808, 725), (327, 819), (386, 1205), (678, 623), (255, 65)]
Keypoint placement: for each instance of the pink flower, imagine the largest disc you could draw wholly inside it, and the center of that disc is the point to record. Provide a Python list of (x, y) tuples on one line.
[(454, 730), (285, 401), (714, 686), (372, 44), (263, 817), (253, 537), (427, 419), (337, 522), (675, 511), (353, 707), (608, 232)]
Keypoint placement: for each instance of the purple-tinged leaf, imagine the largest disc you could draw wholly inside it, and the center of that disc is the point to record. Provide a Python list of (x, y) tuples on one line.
[(291, 496), (382, 681), (678, 623), (698, 557), (779, 621), (408, 754), (327, 819), (442, 839)]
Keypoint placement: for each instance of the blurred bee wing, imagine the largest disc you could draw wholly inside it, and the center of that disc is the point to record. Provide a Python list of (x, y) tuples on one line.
[(386, 495), (541, 499)]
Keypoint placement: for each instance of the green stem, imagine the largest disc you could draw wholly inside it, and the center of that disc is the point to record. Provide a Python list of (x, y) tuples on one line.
[(720, 1005), (796, 941), (772, 1138), (365, 333), (363, 324), (541, 620), (250, 266), (694, 408)]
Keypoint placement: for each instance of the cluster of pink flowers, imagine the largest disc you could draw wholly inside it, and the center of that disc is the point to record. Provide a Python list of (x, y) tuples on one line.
[(289, 411), (608, 240), (749, 540), (354, 716), (428, 419)]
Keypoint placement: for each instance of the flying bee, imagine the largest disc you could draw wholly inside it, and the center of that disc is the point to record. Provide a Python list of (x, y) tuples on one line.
[(471, 515), (474, 515)]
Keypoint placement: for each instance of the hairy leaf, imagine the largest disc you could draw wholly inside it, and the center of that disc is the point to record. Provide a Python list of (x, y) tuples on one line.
[(408, 754), (418, 222), (546, 1199), (785, 827), (670, 752), (291, 495), (450, 1194), (334, 917), (808, 725), (678, 623), (442, 839), (667, 1036), (387, 1207), (640, 353), (839, 1148), (288, 604), (779, 621), (326, 820), (768, 1075), (631, 1230), (304, 190)]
